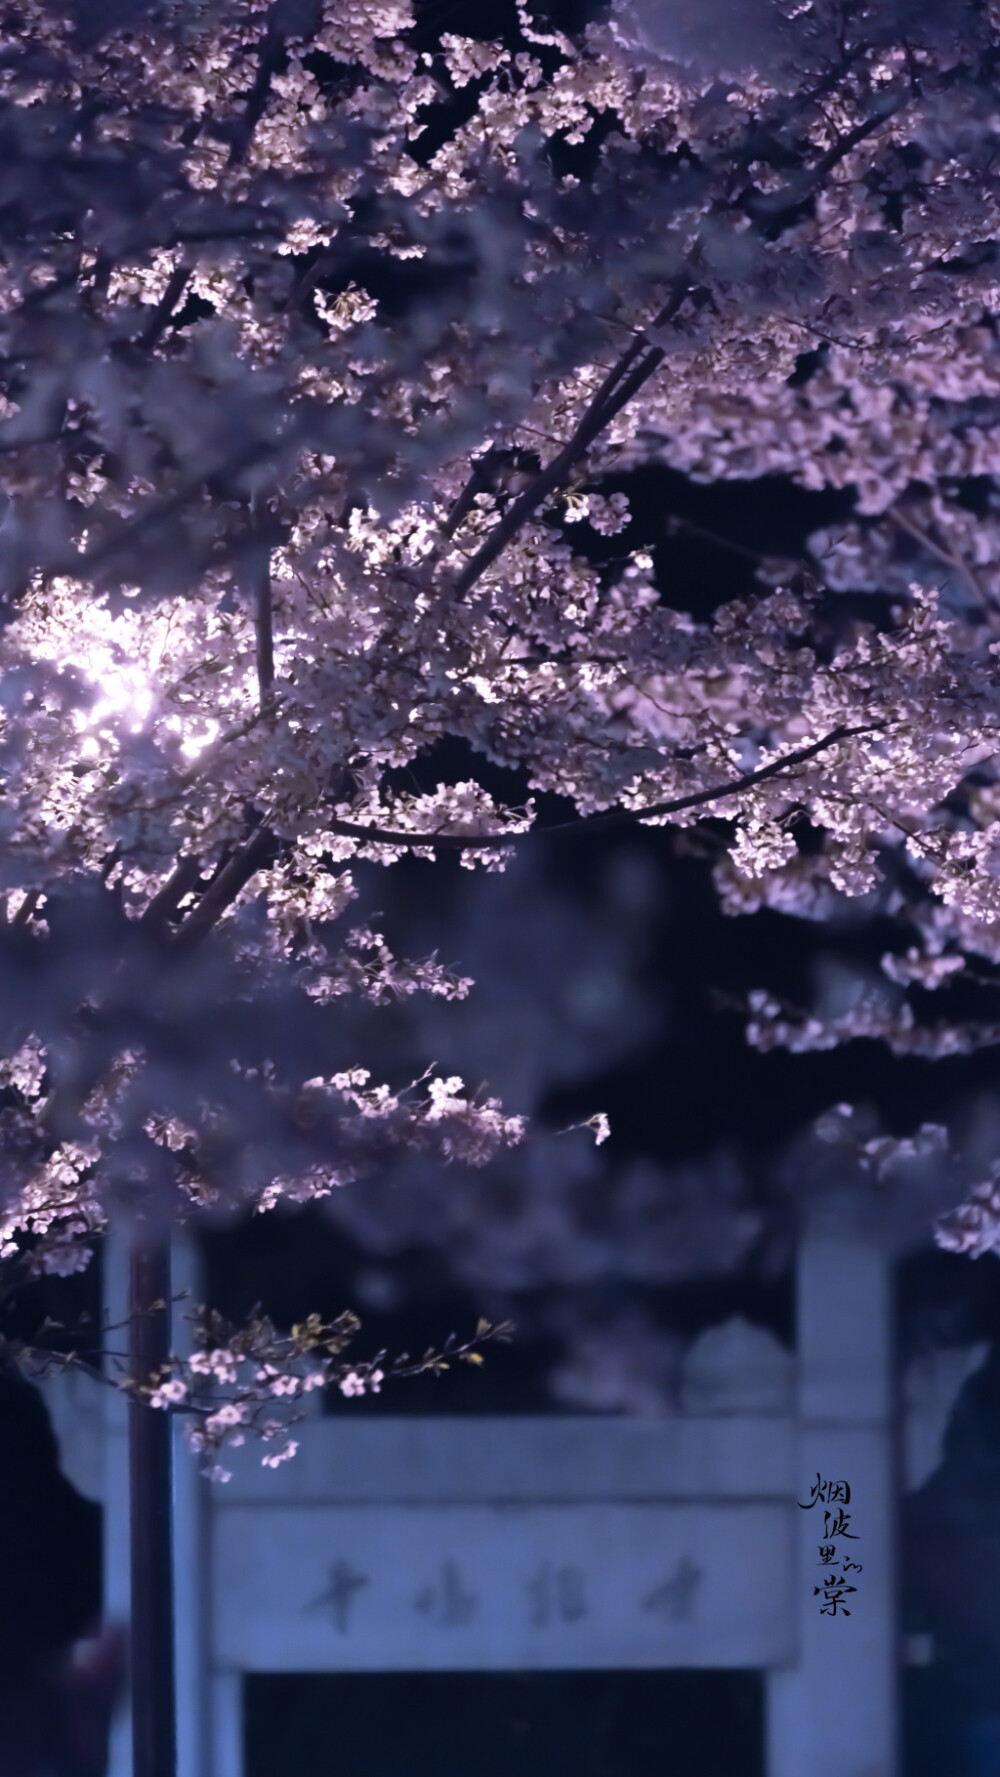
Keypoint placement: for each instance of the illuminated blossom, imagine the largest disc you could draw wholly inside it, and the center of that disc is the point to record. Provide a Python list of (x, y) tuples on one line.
[(268, 541)]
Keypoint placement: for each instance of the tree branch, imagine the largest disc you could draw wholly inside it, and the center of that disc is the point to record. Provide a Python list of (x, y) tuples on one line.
[(852, 138), (271, 51), (477, 483), (23, 916), (260, 587), (635, 366), (176, 285), (616, 817), (157, 512), (959, 566), (168, 898), (251, 857)]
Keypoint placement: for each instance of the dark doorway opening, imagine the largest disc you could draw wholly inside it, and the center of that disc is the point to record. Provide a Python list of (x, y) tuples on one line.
[(485, 1724)]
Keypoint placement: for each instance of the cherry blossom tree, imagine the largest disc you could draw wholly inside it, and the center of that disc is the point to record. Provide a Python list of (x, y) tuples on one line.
[(330, 339)]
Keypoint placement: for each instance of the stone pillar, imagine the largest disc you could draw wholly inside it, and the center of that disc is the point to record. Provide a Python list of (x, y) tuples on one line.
[(189, 1544), (834, 1713), (226, 1728), (114, 1258)]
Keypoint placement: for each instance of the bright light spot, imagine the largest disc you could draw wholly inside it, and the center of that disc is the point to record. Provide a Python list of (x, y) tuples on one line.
[(127, 663), (196, 743), (125, 694)]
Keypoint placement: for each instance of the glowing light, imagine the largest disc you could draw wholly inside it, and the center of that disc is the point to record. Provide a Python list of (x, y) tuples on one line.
[(196, 743), (125, 692)]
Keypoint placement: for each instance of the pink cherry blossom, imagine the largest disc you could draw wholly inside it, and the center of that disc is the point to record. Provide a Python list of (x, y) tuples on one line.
[(270, 541)]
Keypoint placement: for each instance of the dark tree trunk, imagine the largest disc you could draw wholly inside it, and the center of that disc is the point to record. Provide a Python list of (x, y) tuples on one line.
[(152, 1629)]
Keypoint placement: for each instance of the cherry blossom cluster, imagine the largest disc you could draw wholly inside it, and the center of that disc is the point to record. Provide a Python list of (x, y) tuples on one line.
[(974, 1227), (271, 537), (247, 1385)]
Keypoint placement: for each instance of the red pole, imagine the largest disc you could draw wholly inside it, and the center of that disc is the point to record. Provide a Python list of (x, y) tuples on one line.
[(154, 1751)]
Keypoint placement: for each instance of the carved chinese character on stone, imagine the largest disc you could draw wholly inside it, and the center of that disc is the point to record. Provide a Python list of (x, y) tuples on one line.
[(556, 1594), (674, 1598), (447, 1603), (338, 1598)]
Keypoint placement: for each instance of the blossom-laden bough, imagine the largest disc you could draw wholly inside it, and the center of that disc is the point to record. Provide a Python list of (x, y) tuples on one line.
[(322, 330)]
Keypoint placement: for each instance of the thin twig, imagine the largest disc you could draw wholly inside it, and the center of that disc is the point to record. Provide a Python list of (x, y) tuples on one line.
[(676, 523), (961, 567)]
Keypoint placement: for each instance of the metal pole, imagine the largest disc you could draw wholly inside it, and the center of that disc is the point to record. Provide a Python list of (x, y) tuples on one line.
[(150, 1513)]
